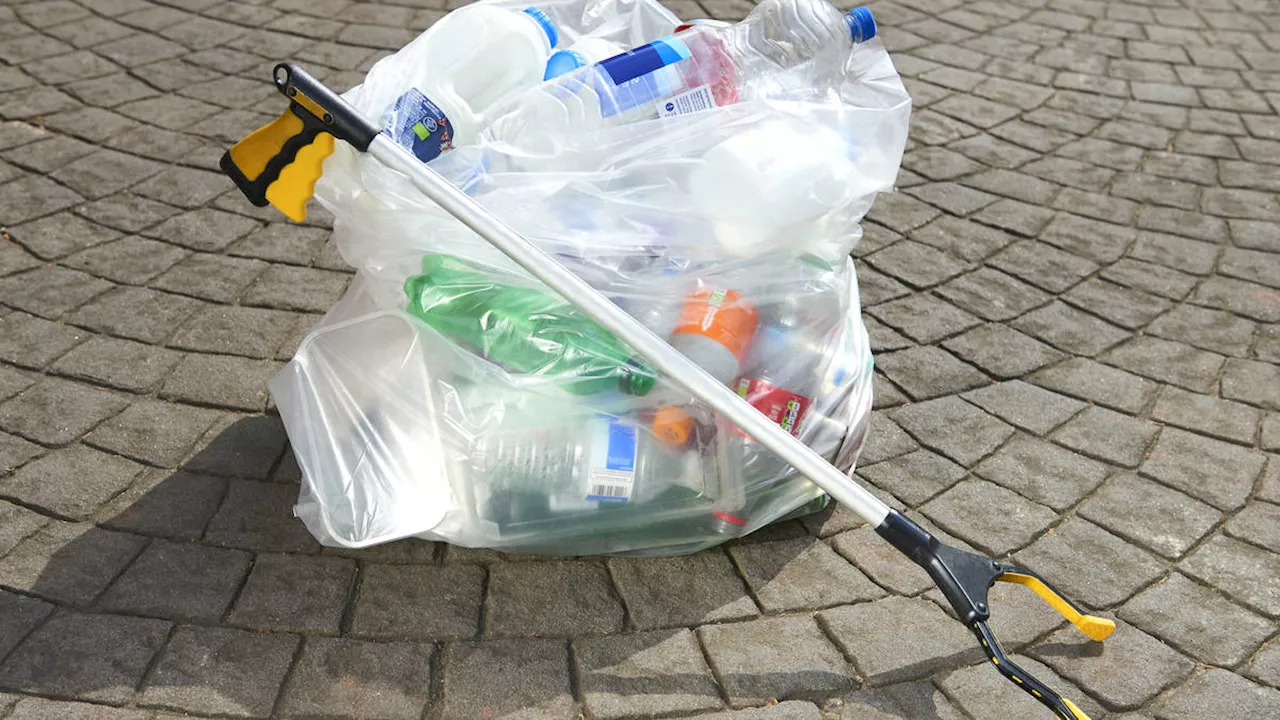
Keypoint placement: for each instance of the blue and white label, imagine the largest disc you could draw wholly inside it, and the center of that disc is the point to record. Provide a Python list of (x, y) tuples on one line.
[(420, 125), (612, 472), (696, 100), (639, 76)]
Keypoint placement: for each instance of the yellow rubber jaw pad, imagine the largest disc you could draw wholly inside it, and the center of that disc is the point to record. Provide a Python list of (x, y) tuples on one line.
[(252, 154), (1094, 627)]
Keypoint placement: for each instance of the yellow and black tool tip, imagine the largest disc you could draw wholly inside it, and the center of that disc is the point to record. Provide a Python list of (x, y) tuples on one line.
[(279, 163)]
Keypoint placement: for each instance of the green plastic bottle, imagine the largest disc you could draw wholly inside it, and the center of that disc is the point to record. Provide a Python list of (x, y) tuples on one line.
[(525, 330)]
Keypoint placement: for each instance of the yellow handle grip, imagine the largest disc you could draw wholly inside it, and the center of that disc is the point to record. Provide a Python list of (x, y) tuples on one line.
[(280, 162)]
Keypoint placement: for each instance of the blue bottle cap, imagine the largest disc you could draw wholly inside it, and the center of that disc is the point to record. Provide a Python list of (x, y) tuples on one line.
[(563, 61), (544, 20), (862, 25)]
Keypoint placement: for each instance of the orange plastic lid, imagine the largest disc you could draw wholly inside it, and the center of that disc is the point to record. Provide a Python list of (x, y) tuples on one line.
[(673, 425)]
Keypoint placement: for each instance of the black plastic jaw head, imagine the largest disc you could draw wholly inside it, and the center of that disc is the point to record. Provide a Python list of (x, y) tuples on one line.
[(965, 579)]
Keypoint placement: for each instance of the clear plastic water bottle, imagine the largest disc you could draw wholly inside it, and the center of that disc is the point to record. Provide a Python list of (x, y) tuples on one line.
[(782, 46)]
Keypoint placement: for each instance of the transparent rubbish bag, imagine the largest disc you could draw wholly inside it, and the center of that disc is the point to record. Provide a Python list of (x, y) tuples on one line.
[(450, 396)]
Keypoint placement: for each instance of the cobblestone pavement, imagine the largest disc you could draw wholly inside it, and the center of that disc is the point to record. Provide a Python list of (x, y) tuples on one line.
[(1075, 299)]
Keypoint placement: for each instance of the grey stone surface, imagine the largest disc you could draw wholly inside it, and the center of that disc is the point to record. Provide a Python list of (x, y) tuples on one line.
[(178, 581), (1200, 622), (754, 668), (1076, 276), (219, 671), (421, 603), (297, 594), (984, 694), (529, 677), (899, 638), (85, 656), (651, 673), (1123, 672), (344, 678)]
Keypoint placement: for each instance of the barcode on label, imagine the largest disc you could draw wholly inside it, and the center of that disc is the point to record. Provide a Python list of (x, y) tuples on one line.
[(698, 99), (609, 492)]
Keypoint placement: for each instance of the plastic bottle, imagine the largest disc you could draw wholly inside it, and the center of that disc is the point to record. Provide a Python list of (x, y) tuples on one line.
[(715, 329), (586, 51), (458, 72), (704, 67), (527, 330)]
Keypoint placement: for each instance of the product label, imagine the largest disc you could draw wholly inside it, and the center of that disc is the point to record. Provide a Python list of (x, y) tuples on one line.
[(420, 125), (721, 315), (613, 460), (698, 99), (781, 406), (639, 76)]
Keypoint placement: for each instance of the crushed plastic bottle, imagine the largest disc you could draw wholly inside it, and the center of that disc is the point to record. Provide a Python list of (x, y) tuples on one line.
[(524, 329), (782, 46)]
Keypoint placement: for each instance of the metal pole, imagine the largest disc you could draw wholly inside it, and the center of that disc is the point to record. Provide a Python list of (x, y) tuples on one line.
[(662, 356)]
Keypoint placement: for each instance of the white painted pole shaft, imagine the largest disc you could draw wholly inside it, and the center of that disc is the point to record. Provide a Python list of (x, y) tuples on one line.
[(661, 355)]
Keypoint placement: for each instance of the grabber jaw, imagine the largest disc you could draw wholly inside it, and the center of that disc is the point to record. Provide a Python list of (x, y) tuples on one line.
[(965, 579), (279, 163)]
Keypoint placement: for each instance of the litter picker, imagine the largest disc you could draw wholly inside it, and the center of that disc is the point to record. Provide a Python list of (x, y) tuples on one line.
[(280, 163)]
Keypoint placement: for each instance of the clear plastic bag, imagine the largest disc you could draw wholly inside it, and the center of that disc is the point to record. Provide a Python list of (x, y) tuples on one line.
[(454, 415)]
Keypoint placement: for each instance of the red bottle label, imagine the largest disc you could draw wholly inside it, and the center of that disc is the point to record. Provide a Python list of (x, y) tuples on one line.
[(783, 407)]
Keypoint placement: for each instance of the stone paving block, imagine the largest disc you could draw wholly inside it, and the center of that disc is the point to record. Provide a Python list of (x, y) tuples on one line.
[(924, 318), (1098, 383), (56, 412), (131, 260), (1258, 523), (1187, 255), (294, 288), (962, 238), (801, 574), (914, 477), (136, 313), (989, 516), (1156, 517), (917, 264), (106, 172), (1123, 306), (178, 581), (1198, 621), (1167, 361), (1252, 382), (164, 503), (426, 603), (258, 516), (16, 452), (885, 440), (953, 198), (59, 235), (294, 594), (1154, 279), (222, 381), (748, 660), (1024, 405), (282, 242), (67, 562), (881, 561), (1246, 573), (875, 288), (1218, 693), (112, 652), (184, 187), (1117, 569), (1070, 330), (250, 332), (118, 363), (992, 294), (953, 428), (902, 213), (1271, 432), (983, 692), (562, 599), (1016, 217), (152, 432), (1001, 351), (680, 591), (1207, 415), (219, 671), (211, 277), (918, 699), (898, 639), (1127, 670), (51, 291), (1108, 436), (33, 197), (928, 372), (16, 524), (22, 614), (207, 230), (240, 446), (650, 673), (1098, 241), (344, 678), (70, 483), (1251, 300), (1265, 666), (13, 382), (1218, 473)]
